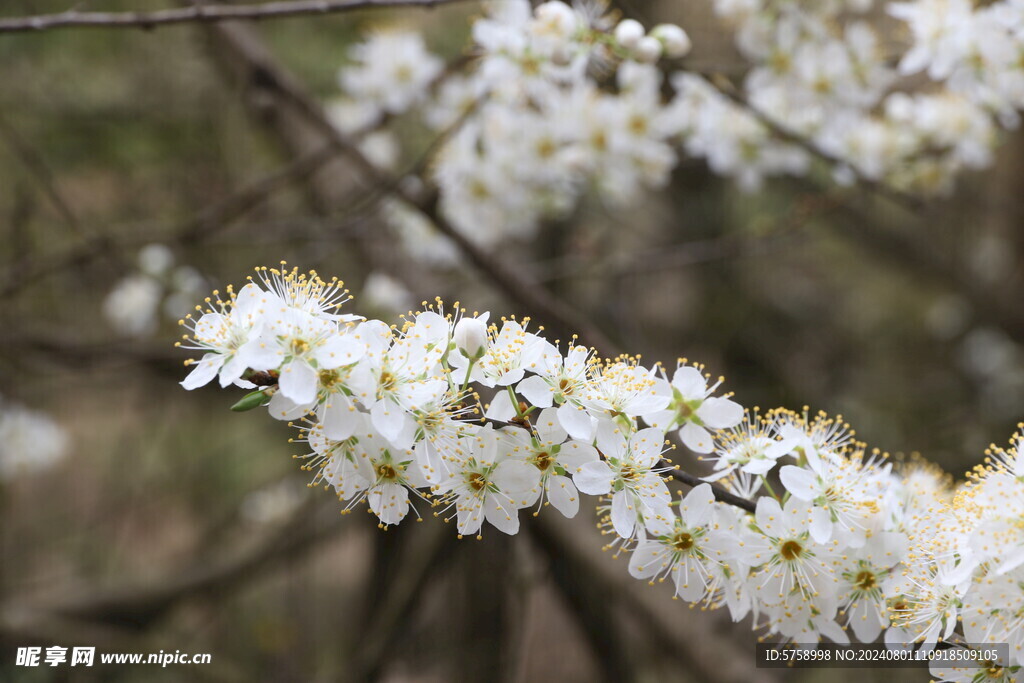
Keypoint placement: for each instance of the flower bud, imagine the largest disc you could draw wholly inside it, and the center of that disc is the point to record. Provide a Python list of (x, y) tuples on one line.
[(674, 39), (557, 17), (470, 336), (648, 50), (628, 33)]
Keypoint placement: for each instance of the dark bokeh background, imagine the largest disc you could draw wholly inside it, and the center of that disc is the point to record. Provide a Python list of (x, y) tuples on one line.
[(176, 524)]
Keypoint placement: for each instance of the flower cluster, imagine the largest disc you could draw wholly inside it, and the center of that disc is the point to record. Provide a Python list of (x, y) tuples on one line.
[(820, 71), (834, 538), (968, 562), (557, 100), (554, 100)]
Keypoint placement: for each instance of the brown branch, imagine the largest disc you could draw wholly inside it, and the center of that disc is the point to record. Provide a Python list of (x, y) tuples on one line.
[(721, 495), (201, 14)]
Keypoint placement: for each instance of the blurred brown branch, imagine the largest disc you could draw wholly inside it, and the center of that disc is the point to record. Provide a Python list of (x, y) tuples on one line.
[(135, 608), (40, 171), (201, 14)]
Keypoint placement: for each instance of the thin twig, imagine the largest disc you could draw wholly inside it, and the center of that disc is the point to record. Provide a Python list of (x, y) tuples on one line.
[(201, 14), (37, 166)]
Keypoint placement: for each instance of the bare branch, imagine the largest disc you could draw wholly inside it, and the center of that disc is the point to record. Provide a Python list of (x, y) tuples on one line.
[(41, 172), (201, 14)]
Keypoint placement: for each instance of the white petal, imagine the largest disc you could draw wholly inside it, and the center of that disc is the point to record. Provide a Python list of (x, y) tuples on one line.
[(769, 516), (261, 353), (690, 382), (697, 506), (865, 621), (548, 428), (516, 478), (339, 417), (574, 454), (501, 408), (232, 370), (388, 418), (431, 465), (646, 446), (204, 371), (647, 560), (298, 382), (470, 516), (562, 495), (720, 413), (650, 404), (689, 580), (389, 502), (576, 421), (758, 466), (594, 478), (623, 514), (611, 440), (338, 350), (659, 520), (502, 514), (799, 482), (662, 419), (488, 446), (696, 438), (821, 525), (537, 391), (283, 408)]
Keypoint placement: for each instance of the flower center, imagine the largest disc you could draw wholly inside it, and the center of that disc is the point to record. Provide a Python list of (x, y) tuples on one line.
[(403, 74), (682, 541), (387, 381), (791, 550), (386, 471), (328, 378), (299, 347), (477, 482), (638, 124), (543, 461), (865, 580), (565, 386)]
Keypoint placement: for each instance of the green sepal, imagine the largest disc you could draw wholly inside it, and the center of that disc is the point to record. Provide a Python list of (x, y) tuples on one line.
[(254, 399)]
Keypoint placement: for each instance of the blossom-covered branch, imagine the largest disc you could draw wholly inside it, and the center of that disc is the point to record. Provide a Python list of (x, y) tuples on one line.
[(574, 101), (393, 418), (203, 13)]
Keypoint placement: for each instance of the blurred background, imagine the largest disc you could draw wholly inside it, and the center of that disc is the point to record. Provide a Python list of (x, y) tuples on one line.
[(171, 523)]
